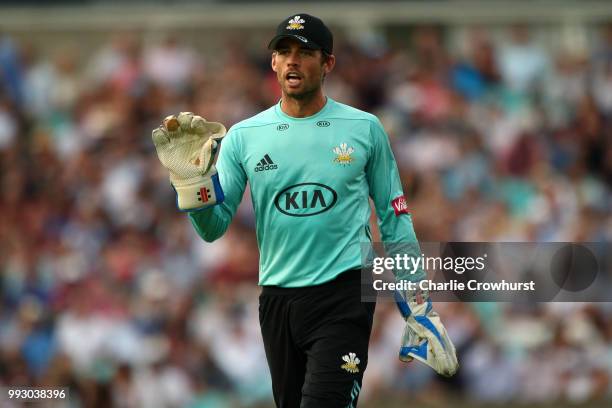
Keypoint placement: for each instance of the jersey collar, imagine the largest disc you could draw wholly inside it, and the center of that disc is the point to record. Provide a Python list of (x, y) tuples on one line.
[(322, 112)]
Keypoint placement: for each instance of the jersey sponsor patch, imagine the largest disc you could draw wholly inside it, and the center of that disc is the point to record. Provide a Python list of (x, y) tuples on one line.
[(305, 199), (400, 206)]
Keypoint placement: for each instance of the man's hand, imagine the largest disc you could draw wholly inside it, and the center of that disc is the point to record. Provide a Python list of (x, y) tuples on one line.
[(425, 338), (186, 145)]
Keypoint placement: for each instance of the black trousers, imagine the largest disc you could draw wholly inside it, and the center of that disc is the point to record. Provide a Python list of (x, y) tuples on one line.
[(316, 340)]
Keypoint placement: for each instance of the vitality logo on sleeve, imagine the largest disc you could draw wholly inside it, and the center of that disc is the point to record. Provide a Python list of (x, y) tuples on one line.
[(400, 206), (265, 164)]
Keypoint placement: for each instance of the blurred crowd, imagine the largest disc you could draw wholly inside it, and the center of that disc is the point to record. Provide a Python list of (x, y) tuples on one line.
[(106, 288)]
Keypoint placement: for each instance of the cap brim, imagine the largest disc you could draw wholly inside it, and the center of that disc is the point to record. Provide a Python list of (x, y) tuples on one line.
[(303, 40)]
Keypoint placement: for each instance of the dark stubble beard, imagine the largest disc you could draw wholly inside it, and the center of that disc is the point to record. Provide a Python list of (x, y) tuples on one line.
[(303, 96)]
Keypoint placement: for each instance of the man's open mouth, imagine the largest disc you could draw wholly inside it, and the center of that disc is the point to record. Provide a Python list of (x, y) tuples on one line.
[(293, 78)]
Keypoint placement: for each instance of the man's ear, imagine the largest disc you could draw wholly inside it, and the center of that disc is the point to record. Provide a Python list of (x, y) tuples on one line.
[(329, 63), (273, 61)]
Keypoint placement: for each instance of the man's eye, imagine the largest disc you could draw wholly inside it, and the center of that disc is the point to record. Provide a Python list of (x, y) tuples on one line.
[(306, 52), (283, 52)]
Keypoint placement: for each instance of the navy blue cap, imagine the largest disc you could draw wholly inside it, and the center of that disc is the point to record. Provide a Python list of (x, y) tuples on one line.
[(307, 29)]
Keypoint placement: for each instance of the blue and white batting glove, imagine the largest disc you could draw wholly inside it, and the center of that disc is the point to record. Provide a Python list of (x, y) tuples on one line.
[(425, 338), (186, 145)]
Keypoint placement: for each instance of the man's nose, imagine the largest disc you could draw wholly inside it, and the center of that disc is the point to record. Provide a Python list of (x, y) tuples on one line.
[(293, 59)]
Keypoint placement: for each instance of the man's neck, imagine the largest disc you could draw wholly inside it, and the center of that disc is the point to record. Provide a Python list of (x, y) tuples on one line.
[(302, 108)]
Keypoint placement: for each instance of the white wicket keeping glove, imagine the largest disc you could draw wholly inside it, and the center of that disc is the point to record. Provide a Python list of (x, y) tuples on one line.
[(186, 145), (425, 338)]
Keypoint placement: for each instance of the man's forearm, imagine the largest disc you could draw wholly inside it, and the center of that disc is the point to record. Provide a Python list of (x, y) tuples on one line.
[(399, 239), (211, 223)]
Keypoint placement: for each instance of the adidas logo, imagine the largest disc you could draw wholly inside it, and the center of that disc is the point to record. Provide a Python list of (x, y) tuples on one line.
[(265, 164)]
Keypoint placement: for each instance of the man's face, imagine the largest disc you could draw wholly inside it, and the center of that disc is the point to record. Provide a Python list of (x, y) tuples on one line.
[(299, 70)]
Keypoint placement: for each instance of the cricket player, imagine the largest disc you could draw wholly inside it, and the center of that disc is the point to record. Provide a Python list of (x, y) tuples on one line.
[(312, 164)]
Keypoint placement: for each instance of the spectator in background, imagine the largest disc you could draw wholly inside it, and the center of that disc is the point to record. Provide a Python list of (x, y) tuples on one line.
[(522, 62), (476, 74), (171, 64), (11, 74)]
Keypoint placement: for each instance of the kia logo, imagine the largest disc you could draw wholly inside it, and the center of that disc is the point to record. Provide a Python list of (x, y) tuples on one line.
[(305, 199), (323, 123), (282, 126)]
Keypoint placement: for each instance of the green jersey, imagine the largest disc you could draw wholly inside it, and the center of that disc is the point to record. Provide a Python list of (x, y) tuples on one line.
[(310, 179)]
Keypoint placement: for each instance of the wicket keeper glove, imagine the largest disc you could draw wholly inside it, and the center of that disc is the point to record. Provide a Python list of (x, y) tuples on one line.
[(186, 145), (425, 338)]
